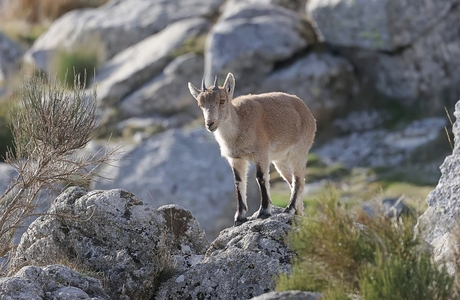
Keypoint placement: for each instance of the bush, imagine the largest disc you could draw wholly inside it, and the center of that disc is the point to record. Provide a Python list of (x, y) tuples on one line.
[(49, 124), (341, 253)]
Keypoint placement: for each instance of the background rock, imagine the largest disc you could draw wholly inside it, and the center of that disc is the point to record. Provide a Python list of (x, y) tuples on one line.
[(115, 26), (241, 263), (289, 295), (113, 233), (167, 94), (51, 282), (380, 25), (182, 167), (136, 65), (241, 42), (326, 83), (10, 56)]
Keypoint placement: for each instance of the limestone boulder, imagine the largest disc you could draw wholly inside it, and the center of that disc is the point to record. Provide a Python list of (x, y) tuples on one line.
[(289, 295), (324, 82), (248, 39), (51, 282), (183, 167), (113, 233), (241, 263), (114, 27), (137, 65), (379, 25), (167, 94)]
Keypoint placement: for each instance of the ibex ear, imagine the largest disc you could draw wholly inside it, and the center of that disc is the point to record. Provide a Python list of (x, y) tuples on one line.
[(193, 90), (229, 85)]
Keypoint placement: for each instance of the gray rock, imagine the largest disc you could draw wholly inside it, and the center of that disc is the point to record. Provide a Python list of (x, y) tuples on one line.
[(389, 207), (442, 215), (295, 5), (326, 83), (379, 25), (55, 282), (167, 94), (381, 147), (114, 233), (289, 295), (137, 65), (115, 26), (182, 167), (241, 263), (244, 38), (10, 56), (7, 174)]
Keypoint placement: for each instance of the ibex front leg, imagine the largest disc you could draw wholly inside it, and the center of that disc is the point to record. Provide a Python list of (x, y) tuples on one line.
[(262, 176), (240, 169)]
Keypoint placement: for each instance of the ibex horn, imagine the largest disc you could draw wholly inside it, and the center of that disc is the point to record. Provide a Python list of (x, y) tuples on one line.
[(216, 87), (203, 86)]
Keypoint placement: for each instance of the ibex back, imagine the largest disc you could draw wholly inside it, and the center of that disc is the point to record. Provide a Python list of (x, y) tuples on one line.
[(265, 128)]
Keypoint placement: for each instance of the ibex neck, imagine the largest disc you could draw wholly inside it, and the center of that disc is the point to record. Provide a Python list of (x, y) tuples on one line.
[(229, 127)]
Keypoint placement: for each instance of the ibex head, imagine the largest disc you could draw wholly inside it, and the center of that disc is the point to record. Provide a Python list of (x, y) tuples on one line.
[(214, 101)]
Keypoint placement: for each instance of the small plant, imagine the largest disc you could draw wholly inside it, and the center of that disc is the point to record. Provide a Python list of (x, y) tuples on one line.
[(343, 253), (49, 125), (6, 138)]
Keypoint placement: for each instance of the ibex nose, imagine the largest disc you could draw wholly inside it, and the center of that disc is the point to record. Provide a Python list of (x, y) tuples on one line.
[(210, 124)]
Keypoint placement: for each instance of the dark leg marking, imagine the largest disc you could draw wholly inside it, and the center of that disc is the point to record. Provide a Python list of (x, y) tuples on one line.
[(240, 206), (265, 200)]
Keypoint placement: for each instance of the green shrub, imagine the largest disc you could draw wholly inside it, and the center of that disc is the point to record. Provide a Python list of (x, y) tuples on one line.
[(343, 252), (73, 62)]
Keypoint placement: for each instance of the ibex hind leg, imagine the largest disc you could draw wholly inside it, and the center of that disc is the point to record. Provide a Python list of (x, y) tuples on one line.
[(295, 205)]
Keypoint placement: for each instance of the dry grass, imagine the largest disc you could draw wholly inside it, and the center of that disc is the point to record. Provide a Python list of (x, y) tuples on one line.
[(49, 125)]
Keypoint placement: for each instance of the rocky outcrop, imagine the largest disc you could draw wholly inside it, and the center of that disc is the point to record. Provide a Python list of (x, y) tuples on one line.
[(51, 282), (182, 167), (135, 66), (326, 83), (241, 263), (439, 221), (115, 234), (114, 26), (242, 42)]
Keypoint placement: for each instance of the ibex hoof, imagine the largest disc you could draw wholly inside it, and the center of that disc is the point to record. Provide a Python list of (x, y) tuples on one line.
[(240, 221), (263, 215), (289, 210)]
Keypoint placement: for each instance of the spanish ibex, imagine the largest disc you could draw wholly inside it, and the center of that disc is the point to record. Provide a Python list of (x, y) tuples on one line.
[(271, 127)]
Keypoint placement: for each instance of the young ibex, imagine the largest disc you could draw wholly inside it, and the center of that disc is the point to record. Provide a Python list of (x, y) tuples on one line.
[(271, 127)]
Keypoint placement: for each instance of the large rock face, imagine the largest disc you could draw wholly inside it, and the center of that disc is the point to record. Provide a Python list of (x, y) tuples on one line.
[(137, 65), (380, 25), (51, 282), (443, 213), (241, 263), (115, 26), (182, 167), (404, 50), (114, 233), (243, 38)]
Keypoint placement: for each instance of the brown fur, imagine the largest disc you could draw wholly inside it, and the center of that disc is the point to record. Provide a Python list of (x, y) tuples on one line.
[(265, 128)]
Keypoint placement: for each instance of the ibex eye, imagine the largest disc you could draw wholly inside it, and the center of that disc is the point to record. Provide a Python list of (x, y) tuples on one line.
[(222, 101)]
